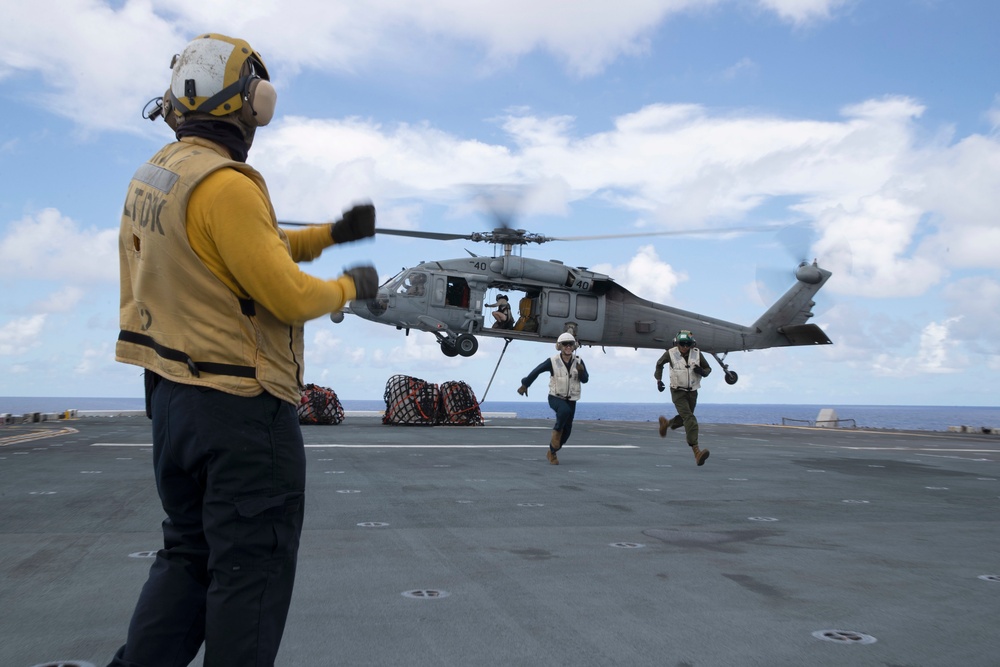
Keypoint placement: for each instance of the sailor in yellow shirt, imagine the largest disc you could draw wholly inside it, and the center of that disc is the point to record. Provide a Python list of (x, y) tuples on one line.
[(213, 305)]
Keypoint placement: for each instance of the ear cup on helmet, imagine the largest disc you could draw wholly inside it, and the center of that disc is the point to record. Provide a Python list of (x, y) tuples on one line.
[(169, 117), (259, 101)]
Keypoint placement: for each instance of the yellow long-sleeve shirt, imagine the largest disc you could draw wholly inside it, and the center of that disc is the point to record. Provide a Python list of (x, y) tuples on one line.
[(229, 228)]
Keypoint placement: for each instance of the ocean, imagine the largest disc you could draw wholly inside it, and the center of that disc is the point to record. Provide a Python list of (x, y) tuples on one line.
[(900, 417)]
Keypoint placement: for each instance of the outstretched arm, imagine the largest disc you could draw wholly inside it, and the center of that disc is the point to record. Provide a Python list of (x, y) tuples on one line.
[(231, 228), (538, 370)]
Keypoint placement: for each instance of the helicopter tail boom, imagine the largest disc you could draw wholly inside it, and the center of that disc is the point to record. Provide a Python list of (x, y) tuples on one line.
[(785, 322)]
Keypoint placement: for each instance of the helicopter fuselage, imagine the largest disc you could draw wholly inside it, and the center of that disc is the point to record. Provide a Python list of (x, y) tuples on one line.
[(448, 299)]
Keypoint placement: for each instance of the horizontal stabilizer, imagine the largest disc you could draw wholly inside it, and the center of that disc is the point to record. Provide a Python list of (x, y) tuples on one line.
[(805, 334)]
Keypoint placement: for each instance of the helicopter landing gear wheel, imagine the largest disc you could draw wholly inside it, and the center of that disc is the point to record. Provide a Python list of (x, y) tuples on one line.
[(466, 344), (731, 376), (448, 349)]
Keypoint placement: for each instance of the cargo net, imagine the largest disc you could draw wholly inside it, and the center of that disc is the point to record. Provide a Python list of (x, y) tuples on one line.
[(458, 405), (410, 400), (320, 405)]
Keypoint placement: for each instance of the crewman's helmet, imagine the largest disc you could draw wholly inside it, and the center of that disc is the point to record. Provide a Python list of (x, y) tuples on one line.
[(685, 337), (566, 337), (222, 77)]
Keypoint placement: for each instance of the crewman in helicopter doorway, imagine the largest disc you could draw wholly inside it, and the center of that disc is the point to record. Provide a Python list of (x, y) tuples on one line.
[(568, 373), (687, 368), (502, 315)]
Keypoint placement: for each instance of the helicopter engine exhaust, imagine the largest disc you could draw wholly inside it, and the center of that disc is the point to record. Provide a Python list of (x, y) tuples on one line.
[(515, 268)]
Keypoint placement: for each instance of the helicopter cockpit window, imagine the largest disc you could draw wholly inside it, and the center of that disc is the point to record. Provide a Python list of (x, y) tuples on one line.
[(558, 304), (415, 284), (586, 307)]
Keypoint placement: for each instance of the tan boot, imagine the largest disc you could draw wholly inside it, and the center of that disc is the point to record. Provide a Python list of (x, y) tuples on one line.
[(664, 423), (557, 440), (699, 454), (551, 456)]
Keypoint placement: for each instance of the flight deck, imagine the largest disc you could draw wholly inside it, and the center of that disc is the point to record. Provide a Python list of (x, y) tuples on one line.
[(463, 546)]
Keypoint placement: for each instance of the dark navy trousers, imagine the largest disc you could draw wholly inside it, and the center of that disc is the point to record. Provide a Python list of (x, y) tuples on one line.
[(565, 411), (230, 472)]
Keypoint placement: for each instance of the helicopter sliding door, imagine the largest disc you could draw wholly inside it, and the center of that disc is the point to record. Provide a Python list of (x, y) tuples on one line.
[(581, 314)]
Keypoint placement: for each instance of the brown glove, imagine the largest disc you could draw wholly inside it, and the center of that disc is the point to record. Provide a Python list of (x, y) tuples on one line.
[(522, 390)]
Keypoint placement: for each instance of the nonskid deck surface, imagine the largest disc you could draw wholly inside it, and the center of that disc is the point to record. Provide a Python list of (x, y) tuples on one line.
[(463, 546)]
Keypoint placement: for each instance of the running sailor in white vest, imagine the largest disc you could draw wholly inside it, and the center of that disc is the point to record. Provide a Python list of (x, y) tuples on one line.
[(568, 373), (687, 368)]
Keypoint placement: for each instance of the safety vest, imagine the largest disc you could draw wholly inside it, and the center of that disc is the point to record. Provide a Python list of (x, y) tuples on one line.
[(177, 318), (681, 369), (565, 383)]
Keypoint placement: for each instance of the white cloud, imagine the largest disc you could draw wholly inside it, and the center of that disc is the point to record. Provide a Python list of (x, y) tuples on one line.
[(645, 275), (993, 114), (936, 354), (61, 301), (50, 246), (586, 35), (974, 304), (21, 334), (72, 49), (960, 186), (94, 360), (745, 67), (95, 59), (868, 247), (801, 12)]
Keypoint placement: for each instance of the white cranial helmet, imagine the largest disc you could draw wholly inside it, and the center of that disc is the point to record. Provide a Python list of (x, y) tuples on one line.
[(565, 338), (219, 76)]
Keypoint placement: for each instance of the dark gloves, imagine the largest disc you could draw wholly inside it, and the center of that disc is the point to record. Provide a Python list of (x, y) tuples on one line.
[(660, 386), (365, 281), (522, 390), (358, 223), (698, 370)]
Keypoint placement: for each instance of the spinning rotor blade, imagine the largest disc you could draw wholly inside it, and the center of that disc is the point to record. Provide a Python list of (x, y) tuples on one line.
[(504, 234), (437, 236), (800, 241), (500, 202), (675, 232), (797, 241)]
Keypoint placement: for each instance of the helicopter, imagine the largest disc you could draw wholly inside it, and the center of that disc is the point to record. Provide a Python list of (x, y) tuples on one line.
[(447, 298)]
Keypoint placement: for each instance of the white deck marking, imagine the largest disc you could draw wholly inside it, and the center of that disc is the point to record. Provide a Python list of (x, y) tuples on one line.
[(392, 446)]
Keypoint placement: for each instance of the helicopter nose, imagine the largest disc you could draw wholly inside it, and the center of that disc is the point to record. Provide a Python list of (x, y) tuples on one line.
[(369, 308)]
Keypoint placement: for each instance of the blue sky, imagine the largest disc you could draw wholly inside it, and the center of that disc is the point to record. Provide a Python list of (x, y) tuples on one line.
[(876, 123)]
